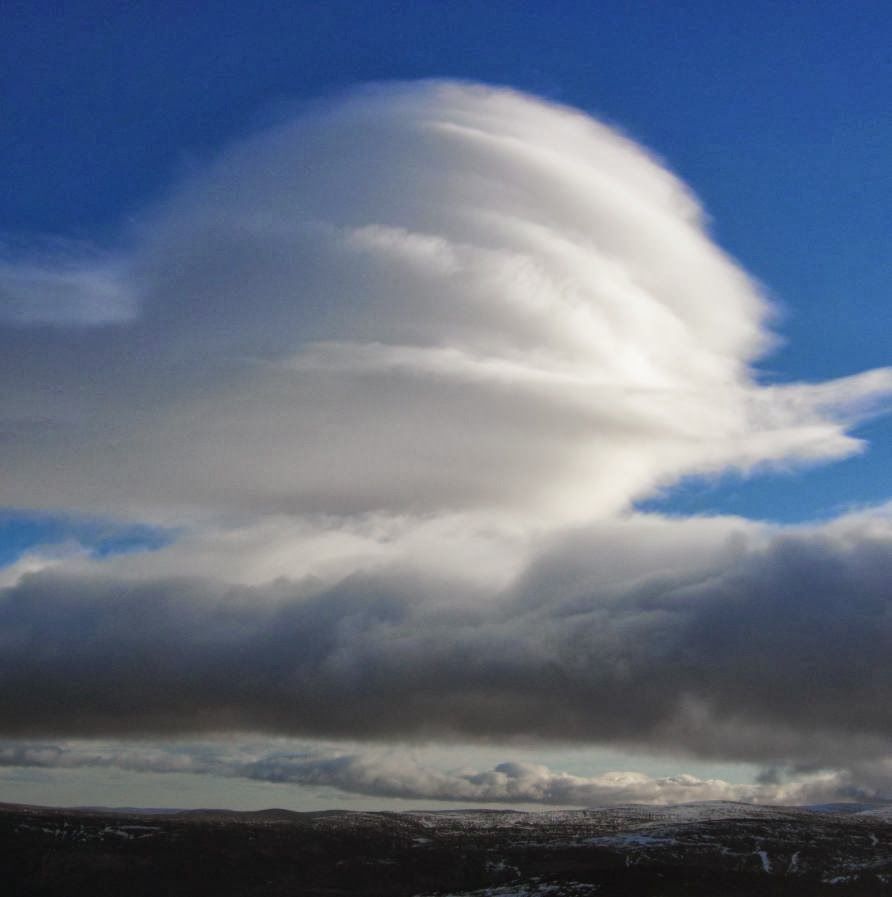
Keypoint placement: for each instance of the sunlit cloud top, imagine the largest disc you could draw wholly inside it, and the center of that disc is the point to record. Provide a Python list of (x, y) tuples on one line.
[(426, 299)]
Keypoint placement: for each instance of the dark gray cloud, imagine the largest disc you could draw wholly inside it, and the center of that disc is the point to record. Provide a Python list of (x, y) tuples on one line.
[(773, 648)]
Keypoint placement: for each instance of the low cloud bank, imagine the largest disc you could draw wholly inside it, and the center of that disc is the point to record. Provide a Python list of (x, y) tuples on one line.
[(710, 636), (396, 775)]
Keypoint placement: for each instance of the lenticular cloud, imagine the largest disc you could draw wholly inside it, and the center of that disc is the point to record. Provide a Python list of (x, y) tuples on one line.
[(424, 299)]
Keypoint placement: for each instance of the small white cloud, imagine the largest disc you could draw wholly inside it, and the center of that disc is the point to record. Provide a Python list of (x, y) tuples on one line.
[(64, 294)]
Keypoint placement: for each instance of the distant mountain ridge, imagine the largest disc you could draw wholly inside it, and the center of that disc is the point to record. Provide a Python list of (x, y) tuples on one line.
[(712, 849), (684, 812)]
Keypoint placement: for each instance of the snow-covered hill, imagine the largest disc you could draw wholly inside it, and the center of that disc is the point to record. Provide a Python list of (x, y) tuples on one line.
[(692, 850)]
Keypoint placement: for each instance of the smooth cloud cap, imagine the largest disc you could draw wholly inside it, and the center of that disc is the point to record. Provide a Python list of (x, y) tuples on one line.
[(421, 298)]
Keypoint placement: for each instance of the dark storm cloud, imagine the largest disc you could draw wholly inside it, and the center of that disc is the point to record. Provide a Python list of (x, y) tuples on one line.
[(774, 651)]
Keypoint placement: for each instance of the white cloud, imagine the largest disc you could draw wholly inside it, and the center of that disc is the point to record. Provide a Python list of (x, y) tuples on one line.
[(64, 292), (397, 775), (422, 299)]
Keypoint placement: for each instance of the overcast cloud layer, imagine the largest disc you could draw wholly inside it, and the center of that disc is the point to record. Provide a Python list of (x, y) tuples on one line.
[(400, 367)]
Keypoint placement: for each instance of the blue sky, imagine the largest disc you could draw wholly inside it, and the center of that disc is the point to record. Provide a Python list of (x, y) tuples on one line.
[(114, 118)]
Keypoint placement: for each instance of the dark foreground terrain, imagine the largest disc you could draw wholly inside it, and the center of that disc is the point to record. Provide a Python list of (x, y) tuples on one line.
[(696, 850)]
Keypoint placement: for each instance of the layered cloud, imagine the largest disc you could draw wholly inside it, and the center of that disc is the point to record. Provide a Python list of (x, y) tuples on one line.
[(418, 299), (400, 368)]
